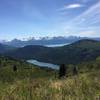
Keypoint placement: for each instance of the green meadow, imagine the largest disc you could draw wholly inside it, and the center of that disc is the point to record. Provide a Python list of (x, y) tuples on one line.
[(30, 82)]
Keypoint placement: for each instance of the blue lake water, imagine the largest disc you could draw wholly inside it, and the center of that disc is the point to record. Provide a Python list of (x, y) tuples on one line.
[(43, 64), (57, 45)]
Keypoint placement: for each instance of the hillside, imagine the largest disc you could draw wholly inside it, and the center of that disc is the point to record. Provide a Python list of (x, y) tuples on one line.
[(32, 83), (80, 51), (5, 48)]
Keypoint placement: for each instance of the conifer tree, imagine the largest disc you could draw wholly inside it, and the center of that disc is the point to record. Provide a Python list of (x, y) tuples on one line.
[(62, 70), (75, 71), (14, 68)]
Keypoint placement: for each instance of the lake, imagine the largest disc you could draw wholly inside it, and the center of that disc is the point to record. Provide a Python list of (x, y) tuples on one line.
[(57, 45), (43, 64), (48, 65)]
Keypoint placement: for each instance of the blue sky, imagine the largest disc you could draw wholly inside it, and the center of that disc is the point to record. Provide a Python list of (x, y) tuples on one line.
[(39, 18)]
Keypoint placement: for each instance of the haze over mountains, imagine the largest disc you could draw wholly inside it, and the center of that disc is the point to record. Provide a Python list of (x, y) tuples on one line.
[(45, 41), (41, 41)]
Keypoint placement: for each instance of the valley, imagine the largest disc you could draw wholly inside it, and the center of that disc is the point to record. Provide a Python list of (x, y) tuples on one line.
[(23, 78), (80, 51)]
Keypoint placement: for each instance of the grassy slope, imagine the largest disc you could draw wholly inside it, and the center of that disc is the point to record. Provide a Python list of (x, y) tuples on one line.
[(32, 83)]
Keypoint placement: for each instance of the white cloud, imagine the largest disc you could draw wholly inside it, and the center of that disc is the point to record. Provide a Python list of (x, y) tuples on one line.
[(71, 6), (90, 16), (88, 33), (87, 23)]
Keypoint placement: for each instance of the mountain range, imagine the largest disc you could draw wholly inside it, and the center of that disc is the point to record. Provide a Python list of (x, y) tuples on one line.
[(45, 41), (77, 52), (41, 41)]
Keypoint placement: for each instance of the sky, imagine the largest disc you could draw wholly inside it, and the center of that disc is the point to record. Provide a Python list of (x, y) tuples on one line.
[(39, 18)]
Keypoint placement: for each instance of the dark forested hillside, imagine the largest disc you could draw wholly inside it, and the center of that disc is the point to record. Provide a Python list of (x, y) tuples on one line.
[(82, 50), (5, 48)]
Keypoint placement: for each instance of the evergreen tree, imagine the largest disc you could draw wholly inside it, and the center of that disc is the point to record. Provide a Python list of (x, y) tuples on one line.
[(14, 68), (62, 70), (75, 71)]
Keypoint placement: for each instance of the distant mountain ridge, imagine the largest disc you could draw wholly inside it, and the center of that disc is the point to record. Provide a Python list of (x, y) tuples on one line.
[(43, 41), (46, 41), (80, 51)]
